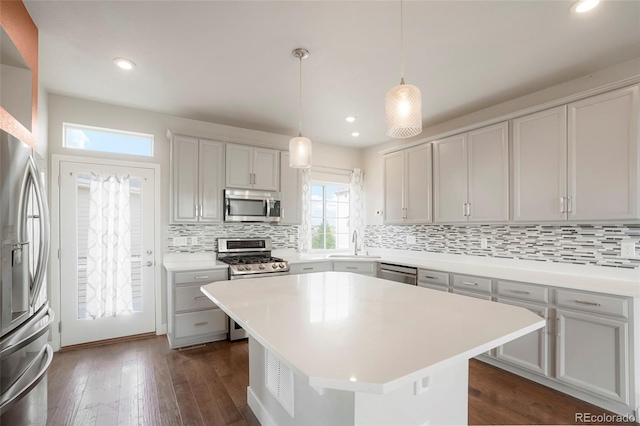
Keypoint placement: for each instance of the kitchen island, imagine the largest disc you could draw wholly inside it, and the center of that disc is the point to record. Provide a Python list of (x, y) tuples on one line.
[(339, 348)]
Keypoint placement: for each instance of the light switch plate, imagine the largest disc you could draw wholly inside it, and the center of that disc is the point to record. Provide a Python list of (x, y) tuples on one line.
[(483, 243), (628, 250), (411, 239), (194, 240), (292, 239), (179, 241), (379, 239)]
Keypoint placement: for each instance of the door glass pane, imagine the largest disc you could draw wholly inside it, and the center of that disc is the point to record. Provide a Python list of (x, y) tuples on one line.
[(83, 184)]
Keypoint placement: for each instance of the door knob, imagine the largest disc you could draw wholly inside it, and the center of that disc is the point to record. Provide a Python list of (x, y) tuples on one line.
[(149, 263)]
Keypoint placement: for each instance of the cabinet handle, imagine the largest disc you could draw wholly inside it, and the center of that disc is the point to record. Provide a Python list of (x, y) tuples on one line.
[(562, 205), (468, 283), (430, 277), (468, 209), (582, 302), (519, 291), (199, 297), (195, 207), (198, 324), (464, 209), (352, 267), (200, 277), (558, 326), (307, 269), (282, 213), (570, 204)]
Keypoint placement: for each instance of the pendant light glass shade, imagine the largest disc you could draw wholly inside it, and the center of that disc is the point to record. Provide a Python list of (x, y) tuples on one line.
[(403, 111), (300, 153)]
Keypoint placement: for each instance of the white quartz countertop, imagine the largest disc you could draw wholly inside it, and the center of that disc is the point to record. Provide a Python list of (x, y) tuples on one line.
[(176, 262), (618, 281), (357, 333)]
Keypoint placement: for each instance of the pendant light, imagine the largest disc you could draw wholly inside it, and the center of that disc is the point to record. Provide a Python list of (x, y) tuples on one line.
[(403, 103), (300, 147)]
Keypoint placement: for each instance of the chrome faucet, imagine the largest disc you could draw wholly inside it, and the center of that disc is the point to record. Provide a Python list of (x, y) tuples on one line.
[(354, 239)]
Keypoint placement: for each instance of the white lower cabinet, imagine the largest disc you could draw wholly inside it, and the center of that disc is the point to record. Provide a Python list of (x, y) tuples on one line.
[(531, 351), (363, 268), (191, 317), (592, 354)]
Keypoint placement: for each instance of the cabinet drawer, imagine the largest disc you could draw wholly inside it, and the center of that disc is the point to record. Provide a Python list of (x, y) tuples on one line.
[(472, 294), (307, 268), (523, 291), (355, 267), (433, 286), (207, 276), (607, 305), (433, 277), (203, 322), (189, 298), (472, 283)]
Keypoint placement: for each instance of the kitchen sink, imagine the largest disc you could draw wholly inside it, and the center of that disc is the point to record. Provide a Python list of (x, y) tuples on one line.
[(353, 256)]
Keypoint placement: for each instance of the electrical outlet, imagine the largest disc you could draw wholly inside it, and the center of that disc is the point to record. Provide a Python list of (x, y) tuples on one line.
[(411, 239), (379, 239), (194, 241), (628, 250), (292, 239), (483, 243), (179, 241)]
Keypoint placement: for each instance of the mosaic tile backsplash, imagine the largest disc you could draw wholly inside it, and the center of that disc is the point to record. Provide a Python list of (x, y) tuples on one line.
[(283, 236), (579, 244)]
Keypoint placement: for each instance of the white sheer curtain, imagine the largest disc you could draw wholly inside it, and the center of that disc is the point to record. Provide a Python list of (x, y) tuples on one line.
[(356, 213), (109, 291)]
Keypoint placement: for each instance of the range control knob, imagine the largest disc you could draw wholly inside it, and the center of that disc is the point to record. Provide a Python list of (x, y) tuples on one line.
[(239, 268), (247, 268), (281, 265), (274, 266), (261, 266)]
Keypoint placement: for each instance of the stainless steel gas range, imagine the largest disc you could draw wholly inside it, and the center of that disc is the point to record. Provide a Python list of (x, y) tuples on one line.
[(249, 258)]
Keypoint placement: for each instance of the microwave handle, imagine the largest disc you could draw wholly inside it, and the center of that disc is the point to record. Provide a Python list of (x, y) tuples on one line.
[(268, 208), (227, 206)]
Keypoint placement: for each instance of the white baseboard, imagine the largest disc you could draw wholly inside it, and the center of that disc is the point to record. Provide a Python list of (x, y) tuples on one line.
[(258, 409)]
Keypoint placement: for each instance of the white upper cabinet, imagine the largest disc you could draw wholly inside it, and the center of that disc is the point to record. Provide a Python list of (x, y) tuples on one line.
[(471, 176), (578, 162), (407, 186), (196, 180), (252, 168), (291, 192), (540, 166), (603, 156)]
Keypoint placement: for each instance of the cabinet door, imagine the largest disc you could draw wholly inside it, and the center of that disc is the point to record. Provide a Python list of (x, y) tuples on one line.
[(450, 179), (529, 351), (291, 192), (488, 174), (266, 169), (211, 165), (592, 354), (540, 166), (238, 166), (418, 180), (603, 156), (393, 187), (184, 179)]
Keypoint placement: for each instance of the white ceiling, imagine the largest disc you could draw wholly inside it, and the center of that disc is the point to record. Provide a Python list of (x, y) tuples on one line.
[(230, 62)]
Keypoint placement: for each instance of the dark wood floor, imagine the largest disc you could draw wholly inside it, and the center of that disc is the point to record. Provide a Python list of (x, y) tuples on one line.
[(145, 383)]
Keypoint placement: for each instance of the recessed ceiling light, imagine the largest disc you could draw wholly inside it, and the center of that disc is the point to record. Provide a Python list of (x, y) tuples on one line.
[(350, 119), (355, 134), (125, 64), (582, 6)]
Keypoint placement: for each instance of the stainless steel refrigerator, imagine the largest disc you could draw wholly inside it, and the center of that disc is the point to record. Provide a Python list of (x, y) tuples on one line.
[(25, 354)]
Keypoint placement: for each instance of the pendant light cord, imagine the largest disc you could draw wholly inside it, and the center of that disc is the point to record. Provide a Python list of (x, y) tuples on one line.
[(401, 46), (300, 100)]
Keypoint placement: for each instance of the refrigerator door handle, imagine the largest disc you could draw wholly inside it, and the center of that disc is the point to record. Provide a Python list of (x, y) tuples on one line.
[(43, 250), (26, 334), (15, 392)]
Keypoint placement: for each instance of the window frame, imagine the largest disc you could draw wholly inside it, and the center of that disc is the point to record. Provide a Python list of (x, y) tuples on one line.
[(81, 127), (324, 184)]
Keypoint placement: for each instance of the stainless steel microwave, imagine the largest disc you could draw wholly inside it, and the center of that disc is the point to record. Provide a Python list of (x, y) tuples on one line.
[(251, 206)]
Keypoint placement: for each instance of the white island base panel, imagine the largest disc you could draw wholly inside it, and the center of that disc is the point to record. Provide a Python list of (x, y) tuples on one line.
[(440, 399)]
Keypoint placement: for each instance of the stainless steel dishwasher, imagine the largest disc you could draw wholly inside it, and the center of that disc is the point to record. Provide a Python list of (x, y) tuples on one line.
[(401, 274)]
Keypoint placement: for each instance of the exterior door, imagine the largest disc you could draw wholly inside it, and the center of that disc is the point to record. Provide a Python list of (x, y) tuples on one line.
[(85, 262)]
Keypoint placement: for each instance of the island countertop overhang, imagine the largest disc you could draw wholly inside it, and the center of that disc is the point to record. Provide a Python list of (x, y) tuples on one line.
[(356, 333)]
